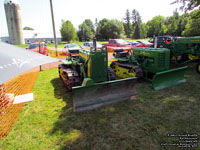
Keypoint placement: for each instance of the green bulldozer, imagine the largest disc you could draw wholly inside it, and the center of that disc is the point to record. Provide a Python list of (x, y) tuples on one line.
[(151, 64), (91, 82)]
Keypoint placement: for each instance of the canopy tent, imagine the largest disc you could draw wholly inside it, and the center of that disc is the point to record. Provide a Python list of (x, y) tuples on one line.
[(15, 60)]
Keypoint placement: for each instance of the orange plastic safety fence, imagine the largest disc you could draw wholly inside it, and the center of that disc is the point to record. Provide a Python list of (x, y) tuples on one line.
[(57, 54), (62, 55), (21, 84)]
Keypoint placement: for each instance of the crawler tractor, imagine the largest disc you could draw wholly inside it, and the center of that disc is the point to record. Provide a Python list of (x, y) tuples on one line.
[(184, 50), (148, 63), (92, 82)]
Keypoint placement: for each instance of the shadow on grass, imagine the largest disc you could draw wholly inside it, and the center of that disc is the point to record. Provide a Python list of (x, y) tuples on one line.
[(103, 128), (137, 124)]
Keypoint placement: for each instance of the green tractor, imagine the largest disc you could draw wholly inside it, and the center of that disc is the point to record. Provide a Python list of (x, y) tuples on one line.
[(184, 50), (151, 64), (92, 82)]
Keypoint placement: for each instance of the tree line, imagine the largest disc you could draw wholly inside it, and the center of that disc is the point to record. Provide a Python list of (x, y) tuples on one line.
[(132, 26)]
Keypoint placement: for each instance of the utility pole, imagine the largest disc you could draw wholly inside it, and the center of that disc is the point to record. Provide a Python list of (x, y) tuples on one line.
[(40, 53), (53, 23)]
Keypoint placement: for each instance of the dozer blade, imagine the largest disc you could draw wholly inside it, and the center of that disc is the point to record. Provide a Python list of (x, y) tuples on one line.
[(169, 78), (105, 93)]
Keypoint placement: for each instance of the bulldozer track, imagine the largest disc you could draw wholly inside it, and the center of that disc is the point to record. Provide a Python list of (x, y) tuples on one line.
[(137, 69), (69, 77), (111, 74)]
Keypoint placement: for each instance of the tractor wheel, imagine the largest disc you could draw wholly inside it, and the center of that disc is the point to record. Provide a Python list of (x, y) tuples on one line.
[(198, 68), (192, 57)]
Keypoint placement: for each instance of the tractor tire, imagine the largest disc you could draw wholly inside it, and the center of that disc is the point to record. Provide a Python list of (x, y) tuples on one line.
[(198, 68)]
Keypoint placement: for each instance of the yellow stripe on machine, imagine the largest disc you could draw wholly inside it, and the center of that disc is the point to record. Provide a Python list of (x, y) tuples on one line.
[(86, 57)]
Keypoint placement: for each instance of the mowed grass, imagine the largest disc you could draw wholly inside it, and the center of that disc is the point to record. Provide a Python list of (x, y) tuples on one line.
[(49, 123)]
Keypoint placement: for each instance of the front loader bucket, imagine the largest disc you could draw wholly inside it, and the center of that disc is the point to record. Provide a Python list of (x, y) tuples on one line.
[(91, 97), (168, 78)]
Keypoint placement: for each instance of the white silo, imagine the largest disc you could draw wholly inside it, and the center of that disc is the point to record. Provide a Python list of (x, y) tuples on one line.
[(13, 18)]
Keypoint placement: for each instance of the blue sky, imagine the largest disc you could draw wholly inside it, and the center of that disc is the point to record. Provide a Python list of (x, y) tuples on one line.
[(36, 13)]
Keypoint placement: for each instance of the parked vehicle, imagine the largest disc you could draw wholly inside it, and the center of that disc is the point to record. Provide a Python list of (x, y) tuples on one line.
[(161, 40), (88, 45), (117, 43), (39, 48), (145, 43), (135, 44), (72, 48)]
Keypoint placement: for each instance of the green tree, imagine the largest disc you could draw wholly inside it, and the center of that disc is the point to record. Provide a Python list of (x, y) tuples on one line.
[(156, 26), (143, 30), (136, 18), (102, 31), (172, 23), (127, 24), (183, 21), (188, 5), (84, 32), (110, 29), (116, 29), (89, 23), (137, 31), (193, 26), (67, 31), (176, 23), (28, 28), (136, 23)]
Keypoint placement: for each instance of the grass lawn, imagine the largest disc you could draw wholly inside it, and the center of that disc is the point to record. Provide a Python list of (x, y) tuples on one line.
[(22, 45), (49, 123)]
